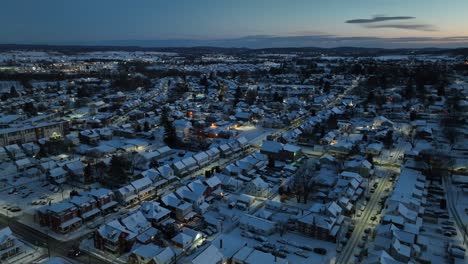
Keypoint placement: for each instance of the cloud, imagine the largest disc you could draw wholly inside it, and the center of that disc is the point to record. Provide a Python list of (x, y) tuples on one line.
[(377, 19), (419, 27)]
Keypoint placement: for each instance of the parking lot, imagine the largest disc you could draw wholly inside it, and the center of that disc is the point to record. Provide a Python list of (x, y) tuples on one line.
[(28, 197)]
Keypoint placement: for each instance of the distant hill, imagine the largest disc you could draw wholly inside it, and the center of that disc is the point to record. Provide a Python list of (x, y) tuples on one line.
[(338, 51)]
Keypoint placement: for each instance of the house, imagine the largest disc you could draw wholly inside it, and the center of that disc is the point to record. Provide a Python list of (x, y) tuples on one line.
[(30, 148), (257, 187), (143, 188), (3, 154), (277, 151), (319, 226), (15, 152), (362, 167), (186, 239), (184, 212), (341, 148), (291, 152), (9, 244), (201, 158), (153, 254), (271, 148), (126, 195), (139, 225), (61, 217), (58, 175), (210, 255), (114, 237), (23, 164), (180, 169), (400, 251), (248, 255), (154, 212), (382, 121), (75, 170), (143, 160), (87, 207), (190, 164), (213, 185), (90, 137), (374, 148), (257, 225), (105, 199), (193, 193)]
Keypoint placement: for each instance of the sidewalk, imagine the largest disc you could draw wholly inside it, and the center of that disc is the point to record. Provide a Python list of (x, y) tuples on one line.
[(28, 255), (88, 246)]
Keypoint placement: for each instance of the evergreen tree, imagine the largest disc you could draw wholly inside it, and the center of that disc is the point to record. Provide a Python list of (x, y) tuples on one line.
[(146, 126), (326, 87), (13, 92), (409, 89), (138, 128), (237, 95), (88, 172), (441, 89), (118, 169)]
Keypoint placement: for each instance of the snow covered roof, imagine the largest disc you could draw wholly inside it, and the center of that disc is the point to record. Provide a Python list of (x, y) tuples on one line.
[(153, 210), (271, 146), (5, 234), (100, 193), (57, 172), (142, 183), (136, 222), (259, 183), (211, 255), (212, 182)]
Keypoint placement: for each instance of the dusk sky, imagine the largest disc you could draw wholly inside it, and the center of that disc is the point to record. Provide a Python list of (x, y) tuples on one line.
[(240, 23)]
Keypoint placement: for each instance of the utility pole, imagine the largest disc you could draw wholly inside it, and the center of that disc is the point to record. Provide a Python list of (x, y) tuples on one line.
[(48, 246)]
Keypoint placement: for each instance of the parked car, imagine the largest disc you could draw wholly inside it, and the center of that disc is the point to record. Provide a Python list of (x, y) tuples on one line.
[(301, 253), (448, 222), (306, 247), (74, 253), (457, 253), (448, 234), (260, 238), (247, 234), (320, 251), (282, 241), (14, 209)]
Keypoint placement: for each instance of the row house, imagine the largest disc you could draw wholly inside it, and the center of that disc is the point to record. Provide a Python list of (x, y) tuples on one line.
[(127, 195), (114, 237), (277, 151), (9, 245), (105, 199), (87, 207), (155, 213), (143, 188), (60, 217)]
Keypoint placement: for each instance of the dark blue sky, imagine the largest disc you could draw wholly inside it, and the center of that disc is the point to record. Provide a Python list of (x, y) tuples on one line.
[(381, 23)]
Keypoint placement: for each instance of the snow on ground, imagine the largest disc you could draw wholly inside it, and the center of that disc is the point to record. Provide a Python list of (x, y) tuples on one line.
[(55, 260), (28, 254), (38, 192), (233, 241), (88, 246)]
